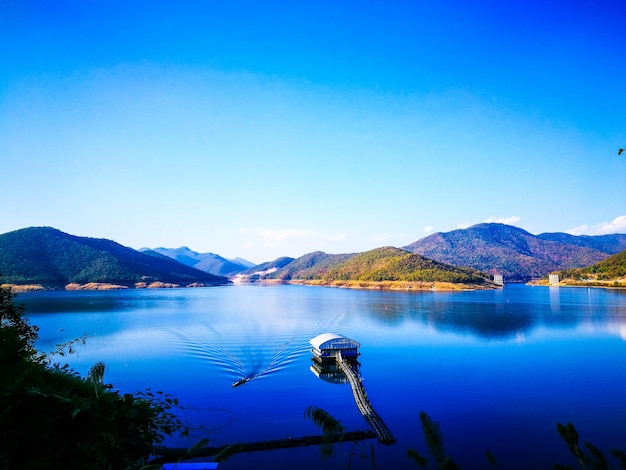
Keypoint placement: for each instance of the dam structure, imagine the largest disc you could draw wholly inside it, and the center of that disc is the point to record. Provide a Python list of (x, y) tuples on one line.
[(338, 354)]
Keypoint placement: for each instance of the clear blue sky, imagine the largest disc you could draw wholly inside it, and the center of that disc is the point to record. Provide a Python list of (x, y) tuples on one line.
[(266, 129)]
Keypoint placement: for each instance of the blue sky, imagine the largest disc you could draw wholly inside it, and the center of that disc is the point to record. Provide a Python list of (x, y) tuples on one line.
[(266, 129)]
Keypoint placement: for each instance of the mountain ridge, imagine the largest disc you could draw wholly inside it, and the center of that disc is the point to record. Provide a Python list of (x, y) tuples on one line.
[(207, 262), (504, 249), (50, 257)]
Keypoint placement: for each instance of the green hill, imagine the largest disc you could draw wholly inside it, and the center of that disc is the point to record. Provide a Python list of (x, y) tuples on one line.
[(395, 264), (393, 267), (47, 256), (310, 266), (609, 272)]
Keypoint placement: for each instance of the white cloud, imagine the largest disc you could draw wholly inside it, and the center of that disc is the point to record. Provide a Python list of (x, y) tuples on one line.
[(464, 225), (503, 220), (285, 237), (428, 229), (618, 225)]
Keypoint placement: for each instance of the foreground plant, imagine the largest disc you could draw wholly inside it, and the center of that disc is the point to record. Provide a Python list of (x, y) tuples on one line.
[(50, 417), (594, 458)]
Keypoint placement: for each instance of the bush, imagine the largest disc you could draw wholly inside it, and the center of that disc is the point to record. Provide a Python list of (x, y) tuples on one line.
[(52, 418)]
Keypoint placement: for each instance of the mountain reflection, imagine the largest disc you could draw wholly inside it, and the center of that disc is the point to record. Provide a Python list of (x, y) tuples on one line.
[(499, 314)]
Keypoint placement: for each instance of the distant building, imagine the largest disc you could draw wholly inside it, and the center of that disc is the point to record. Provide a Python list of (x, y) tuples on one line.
[(330, 345), (553, 279), (498, 279)]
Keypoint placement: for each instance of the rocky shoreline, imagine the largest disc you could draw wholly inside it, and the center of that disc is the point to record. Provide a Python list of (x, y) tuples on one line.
[(21, 288)]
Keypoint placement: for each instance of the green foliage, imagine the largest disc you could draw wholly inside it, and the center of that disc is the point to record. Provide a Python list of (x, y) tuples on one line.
[(52, 418), (17, 336)]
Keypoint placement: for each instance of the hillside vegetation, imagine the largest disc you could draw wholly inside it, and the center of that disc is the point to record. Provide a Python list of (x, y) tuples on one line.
[(395, 264), (310, 266), (385, 267), (49, 257), (510, 251), (611, 273)]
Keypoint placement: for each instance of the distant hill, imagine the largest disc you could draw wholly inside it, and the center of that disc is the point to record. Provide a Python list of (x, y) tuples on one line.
[(506, 250), (47, 256), (612, 244), (395, 264), (207, 262), (610, 272), (263, 269), (243, 262), (374, 266), (310, 266)]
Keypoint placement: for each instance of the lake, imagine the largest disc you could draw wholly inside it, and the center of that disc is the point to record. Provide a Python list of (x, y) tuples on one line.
[(496, 369)]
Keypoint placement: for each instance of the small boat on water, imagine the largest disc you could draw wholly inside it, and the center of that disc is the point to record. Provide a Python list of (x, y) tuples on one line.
[(241, 381)]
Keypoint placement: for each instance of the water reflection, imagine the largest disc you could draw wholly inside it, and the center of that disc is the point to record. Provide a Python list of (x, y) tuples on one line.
[(500, 314)]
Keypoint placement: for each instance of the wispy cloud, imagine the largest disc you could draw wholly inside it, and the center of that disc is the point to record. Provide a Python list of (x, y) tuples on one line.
[(290, 237), (618, 225), (428, 229)]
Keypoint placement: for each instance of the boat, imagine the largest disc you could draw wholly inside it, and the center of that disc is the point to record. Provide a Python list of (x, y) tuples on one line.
[(241, 381)]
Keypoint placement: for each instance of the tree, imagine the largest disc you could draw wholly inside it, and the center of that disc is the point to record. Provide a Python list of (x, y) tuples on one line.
[(50, 417)]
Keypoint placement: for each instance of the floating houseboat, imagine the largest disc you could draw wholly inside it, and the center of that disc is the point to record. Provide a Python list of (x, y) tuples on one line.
[(330, 345)]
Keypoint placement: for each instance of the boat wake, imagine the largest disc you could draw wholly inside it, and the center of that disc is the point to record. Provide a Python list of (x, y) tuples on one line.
[(249, 354)]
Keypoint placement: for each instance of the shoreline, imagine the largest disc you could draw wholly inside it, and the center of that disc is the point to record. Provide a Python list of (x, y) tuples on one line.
[(388, 285), (22, 288)]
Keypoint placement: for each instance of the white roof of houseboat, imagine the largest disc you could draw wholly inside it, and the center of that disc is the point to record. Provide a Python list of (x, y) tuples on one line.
[(320, 341)]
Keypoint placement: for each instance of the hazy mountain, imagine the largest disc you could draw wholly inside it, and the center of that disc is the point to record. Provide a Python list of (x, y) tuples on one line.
[(506, 250), (612, 244), (207, 262), (44, 255), (244, 262), (310, 266), (269, 266)]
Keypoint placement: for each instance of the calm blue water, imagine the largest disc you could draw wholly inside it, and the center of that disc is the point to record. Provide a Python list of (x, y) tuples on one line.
[(496, 369)]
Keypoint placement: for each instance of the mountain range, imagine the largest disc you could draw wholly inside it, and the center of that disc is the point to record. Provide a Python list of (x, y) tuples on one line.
[(207, 262), (515, 253), (491, 247), (378, 265), (46, 256)]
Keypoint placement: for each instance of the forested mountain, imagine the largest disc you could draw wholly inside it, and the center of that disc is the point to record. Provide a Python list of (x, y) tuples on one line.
[(47, 256), (611, 270), (395, 264), (207, 262), (503, 249), (310, 266), (612, 244), (382, 264)]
